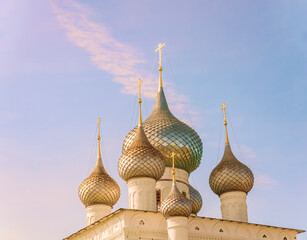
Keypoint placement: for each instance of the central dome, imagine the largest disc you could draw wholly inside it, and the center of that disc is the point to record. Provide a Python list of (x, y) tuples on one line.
[(167, 134)]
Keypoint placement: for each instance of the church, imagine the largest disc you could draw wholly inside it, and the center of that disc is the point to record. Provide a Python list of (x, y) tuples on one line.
[(157, 158)]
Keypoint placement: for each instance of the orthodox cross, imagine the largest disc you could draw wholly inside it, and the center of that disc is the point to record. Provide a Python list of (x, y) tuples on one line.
[(225, 122), (139, 87), (98, 124), (140, 100), (160, 54)]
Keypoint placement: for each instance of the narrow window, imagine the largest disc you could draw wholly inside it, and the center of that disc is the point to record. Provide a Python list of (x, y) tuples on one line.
[(184, 194), (158, 197)]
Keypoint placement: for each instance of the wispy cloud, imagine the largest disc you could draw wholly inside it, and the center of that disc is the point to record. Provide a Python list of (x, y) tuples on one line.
[(119, 59), (110, 55), (264, 182)]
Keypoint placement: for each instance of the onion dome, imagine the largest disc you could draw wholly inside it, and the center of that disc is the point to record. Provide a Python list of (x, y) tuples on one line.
[(176, 204), (141, 159), (230, 174), (167, 134), (196, 200), (99, 187)]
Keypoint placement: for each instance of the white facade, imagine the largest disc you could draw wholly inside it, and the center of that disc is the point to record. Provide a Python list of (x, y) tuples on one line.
[(96, 212), (142, 193), (233, 206), (177, 228), (135, 224)]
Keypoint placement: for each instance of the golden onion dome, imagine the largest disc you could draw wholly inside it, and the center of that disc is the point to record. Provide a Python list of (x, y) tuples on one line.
[(141, 159), (176, 204), (196, 200), (167, 134), (230, 175), (99, 187)]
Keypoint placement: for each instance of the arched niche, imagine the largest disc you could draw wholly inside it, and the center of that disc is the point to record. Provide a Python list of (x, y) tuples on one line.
[(264, 234), (140, 220), (283, 234), (243, 231), (220, 229), (196, 226)]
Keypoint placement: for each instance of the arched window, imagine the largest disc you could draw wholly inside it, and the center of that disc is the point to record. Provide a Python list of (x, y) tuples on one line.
[(158, 197), (184, 194)]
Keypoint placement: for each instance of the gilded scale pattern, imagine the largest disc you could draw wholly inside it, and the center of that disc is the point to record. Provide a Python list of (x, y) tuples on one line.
[(167, 134), (176, 204), (230, 175), (99, 187), (141, 159), (196, 200)]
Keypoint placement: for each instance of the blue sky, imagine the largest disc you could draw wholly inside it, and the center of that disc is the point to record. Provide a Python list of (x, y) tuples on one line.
[(64, 63)]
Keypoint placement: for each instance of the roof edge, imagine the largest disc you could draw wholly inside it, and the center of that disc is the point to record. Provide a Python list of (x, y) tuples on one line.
[(120, 210)]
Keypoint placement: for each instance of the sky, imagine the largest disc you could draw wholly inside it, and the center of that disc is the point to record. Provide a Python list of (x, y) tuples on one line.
[(65, 63)]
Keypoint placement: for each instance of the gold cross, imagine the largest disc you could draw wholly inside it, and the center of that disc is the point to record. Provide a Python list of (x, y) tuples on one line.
[(98, 124), (173, 157), (139, 87), (223, 108), (225, 122), (160, 53)]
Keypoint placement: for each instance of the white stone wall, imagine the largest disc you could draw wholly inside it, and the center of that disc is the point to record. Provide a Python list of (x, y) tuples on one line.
[(96, 212), (177, 228), (233, 206), (135, 225), (142, 194)]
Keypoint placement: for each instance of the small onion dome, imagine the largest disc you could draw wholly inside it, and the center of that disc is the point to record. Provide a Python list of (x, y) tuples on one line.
[(167, 134), (141, 159), (176, 204), (231, 175), (196, 200), (99, 187)]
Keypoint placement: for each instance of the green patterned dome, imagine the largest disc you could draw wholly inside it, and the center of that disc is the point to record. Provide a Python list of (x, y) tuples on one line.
[(167, 134), (196, 200)]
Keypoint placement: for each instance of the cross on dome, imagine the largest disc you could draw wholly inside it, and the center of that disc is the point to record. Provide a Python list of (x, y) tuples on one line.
[(139, 85), (225, 122), (98, 124), (160, 63)]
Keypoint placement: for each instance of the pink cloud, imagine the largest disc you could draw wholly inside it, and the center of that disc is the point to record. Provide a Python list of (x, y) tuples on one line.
[(108, 54)]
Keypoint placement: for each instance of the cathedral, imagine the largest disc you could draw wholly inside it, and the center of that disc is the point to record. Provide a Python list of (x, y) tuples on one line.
[(157, 158)]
